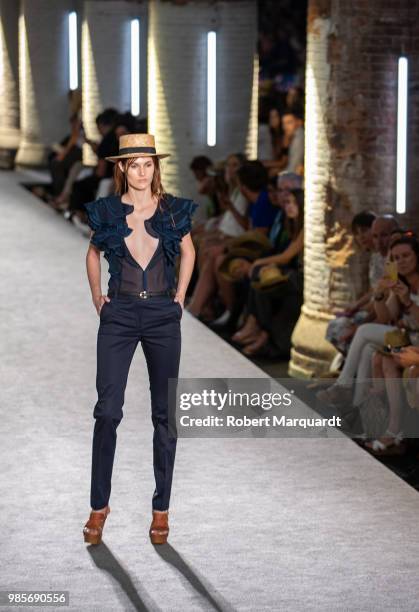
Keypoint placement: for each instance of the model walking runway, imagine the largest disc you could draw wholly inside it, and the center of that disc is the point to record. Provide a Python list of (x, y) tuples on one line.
[(259, 524)]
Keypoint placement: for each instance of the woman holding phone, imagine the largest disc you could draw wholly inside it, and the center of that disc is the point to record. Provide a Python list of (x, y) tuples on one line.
[(392, 299), (402, 305)]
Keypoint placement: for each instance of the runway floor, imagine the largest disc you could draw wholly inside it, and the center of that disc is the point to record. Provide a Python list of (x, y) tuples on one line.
[(258, 524)]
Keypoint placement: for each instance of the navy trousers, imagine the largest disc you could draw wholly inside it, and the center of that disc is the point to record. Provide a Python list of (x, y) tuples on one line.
[(125, 321)]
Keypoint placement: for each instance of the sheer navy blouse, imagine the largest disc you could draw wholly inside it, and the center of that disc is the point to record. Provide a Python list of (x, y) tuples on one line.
[(171, 221)]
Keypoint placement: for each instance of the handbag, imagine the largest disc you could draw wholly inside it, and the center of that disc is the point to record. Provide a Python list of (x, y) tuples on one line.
[(394, 338)]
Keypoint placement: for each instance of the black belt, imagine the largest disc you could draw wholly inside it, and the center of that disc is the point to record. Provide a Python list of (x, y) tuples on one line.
[(143, 294)]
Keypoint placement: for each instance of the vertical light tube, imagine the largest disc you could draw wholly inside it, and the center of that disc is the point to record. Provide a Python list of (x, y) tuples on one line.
[(2, 53), (211, 87), (402, 135), (72, 50), (24, 70), (135, 67)]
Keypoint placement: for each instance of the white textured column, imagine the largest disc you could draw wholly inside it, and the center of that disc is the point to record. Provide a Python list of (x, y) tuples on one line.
[(106, 60), (9, 75), (43, 76), (311, 326), (177, 83)]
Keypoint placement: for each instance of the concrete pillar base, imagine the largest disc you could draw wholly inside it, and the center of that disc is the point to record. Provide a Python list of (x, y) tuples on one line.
[(31, 154), (311, 354), (9, 138)]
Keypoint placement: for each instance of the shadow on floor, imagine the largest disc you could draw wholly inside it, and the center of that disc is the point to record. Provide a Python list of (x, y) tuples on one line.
[(106, 561)]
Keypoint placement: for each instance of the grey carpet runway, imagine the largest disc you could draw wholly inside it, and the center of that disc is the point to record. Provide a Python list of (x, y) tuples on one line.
[(256, 524)]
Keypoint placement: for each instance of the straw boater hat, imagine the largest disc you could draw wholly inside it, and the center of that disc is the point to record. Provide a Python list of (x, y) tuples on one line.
[(136, 145), (231, 261), (254, 241), (269, 277), (250, 246)]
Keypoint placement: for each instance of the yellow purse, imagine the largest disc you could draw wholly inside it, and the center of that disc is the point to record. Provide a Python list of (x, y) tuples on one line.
[(395, 338)]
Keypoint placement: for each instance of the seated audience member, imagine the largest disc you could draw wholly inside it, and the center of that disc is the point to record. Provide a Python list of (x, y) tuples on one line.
[(408, 359), (289, 146), (232, 221), (394, 379), (396, 304), (382, 230), (402, 307), (85, 189), (61, 162), (252, 179), (125, 123), (207, 222), (265, 141), (295, 99), (273, 310), (66, 155), (279, 189), (341, 330), (287, 181), (206, 186), (292, 122), (280, 140), (361, 229), (338, 330)]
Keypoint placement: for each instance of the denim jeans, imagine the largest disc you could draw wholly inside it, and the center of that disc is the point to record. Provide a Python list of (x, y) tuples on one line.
[(125, 321), (368, 337)]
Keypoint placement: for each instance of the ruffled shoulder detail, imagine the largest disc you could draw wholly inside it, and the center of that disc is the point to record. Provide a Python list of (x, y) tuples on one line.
[(106, 216), (106, 210), (181, 211), (174, 222)]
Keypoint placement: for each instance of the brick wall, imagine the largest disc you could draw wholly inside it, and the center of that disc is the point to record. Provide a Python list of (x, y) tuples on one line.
[(352, 59), (351, 118)]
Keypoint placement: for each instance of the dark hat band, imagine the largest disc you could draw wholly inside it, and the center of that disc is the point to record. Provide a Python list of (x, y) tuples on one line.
[(137, 150)]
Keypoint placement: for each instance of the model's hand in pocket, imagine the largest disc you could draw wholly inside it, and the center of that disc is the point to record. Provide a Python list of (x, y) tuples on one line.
[(99, 301), (180, 299)]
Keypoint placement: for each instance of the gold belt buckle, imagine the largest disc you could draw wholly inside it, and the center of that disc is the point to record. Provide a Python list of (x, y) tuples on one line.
[(143, 294)]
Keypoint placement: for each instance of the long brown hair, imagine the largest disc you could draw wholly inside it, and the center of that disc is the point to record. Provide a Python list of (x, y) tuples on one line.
[(121, 183), (294, 226)]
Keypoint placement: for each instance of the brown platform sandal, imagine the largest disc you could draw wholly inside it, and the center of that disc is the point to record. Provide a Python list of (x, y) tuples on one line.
[(159, 529), (93, 528)]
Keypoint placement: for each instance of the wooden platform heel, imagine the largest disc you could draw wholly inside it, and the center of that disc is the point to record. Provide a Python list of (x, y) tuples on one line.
[(93, 529), (159, 529)]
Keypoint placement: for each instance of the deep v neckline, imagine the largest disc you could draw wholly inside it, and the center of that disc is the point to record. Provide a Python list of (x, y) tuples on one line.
[(145, 221)]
